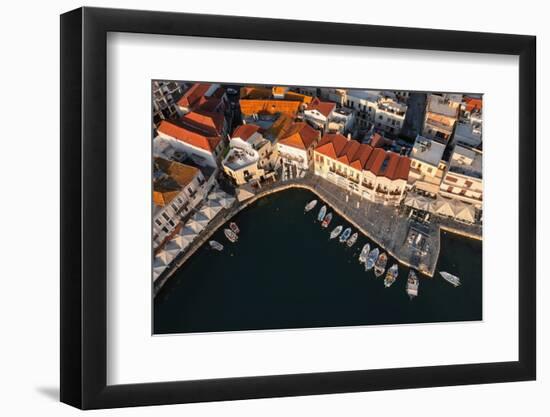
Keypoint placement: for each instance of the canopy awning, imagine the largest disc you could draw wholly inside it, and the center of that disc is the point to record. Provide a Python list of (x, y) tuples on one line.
[(445, 208), (160, 263), (417, 202), (210, 209), (188, 235), (466, 213)]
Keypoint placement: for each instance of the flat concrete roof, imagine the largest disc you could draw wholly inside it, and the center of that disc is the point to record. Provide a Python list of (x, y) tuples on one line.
[(427, 150)]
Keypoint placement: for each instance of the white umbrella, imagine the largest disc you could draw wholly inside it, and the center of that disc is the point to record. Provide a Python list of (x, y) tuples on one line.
[(175, 245), (423, 203), (466, 213), (446, 209), (210, 209), (160, 263), (227, 200), (436, 204), (187, 235), (198, 222), (215, 195), (410, 200)]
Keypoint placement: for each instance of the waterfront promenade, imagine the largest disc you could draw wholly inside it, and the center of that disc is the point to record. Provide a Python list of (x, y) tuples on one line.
[(387, 226)]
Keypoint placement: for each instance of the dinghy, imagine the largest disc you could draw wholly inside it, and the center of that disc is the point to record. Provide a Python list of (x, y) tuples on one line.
[(373, 256), (364, 253), (380, 265)]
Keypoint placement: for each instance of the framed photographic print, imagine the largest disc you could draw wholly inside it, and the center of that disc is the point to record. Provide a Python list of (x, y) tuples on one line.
[(257, 208)]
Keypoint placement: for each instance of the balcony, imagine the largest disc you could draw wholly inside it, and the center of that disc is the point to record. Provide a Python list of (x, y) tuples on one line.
[(290, 157)]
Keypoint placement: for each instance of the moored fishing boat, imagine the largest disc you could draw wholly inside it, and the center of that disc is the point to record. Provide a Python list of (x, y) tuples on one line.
[(344, 236), (234, 228), (327, 220), (371, 259), (412, 284), (351, 241), (216, 245), (380, 265), (364, 253), (230, 235), (391, 275), (322, 213), (309, 206), (453, 279), (337, 230)]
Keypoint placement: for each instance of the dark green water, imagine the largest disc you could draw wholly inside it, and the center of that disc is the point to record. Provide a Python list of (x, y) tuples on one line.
[(284, 272)]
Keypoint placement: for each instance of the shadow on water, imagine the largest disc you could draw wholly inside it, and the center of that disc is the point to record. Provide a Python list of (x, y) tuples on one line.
[(285, 272)]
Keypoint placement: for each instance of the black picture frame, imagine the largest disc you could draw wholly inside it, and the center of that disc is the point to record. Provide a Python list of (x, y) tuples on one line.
[(84, 207)]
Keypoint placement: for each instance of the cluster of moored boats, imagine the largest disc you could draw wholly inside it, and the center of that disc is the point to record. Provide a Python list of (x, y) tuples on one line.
[(373, 259), (231, 233)]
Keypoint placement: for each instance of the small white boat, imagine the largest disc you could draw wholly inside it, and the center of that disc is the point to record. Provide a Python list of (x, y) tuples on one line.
[(322, 213), (344, 236), (337, 230), (310, 205), (453, 279), (233, 226), (371, 259), (412, 284), (364, 253), (216, 245), (327, 220), (391, 275), (380, 265), (351, 241), (230, 235)]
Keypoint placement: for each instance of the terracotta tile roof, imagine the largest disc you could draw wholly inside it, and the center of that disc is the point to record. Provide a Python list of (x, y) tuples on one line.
[(301, 136), (245, 131), (260, 100), (364, 157), (349, 152), (375, 161), (175, 177), (402, 171), (331, 144), (193, 94), (163, 197), (388, 164), (323, 107), (280, 128), (378, 141), (473, 103), (182, 174), (188, 135), (361, 157), (208, 123), (210, 104)]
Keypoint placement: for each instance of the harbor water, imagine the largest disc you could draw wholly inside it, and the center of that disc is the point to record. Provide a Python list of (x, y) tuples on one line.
[(284, 272)]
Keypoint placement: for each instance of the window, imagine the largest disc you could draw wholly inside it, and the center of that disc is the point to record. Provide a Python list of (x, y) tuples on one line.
[(430, 170), (166, 217), (158, 222), (451, 179)]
